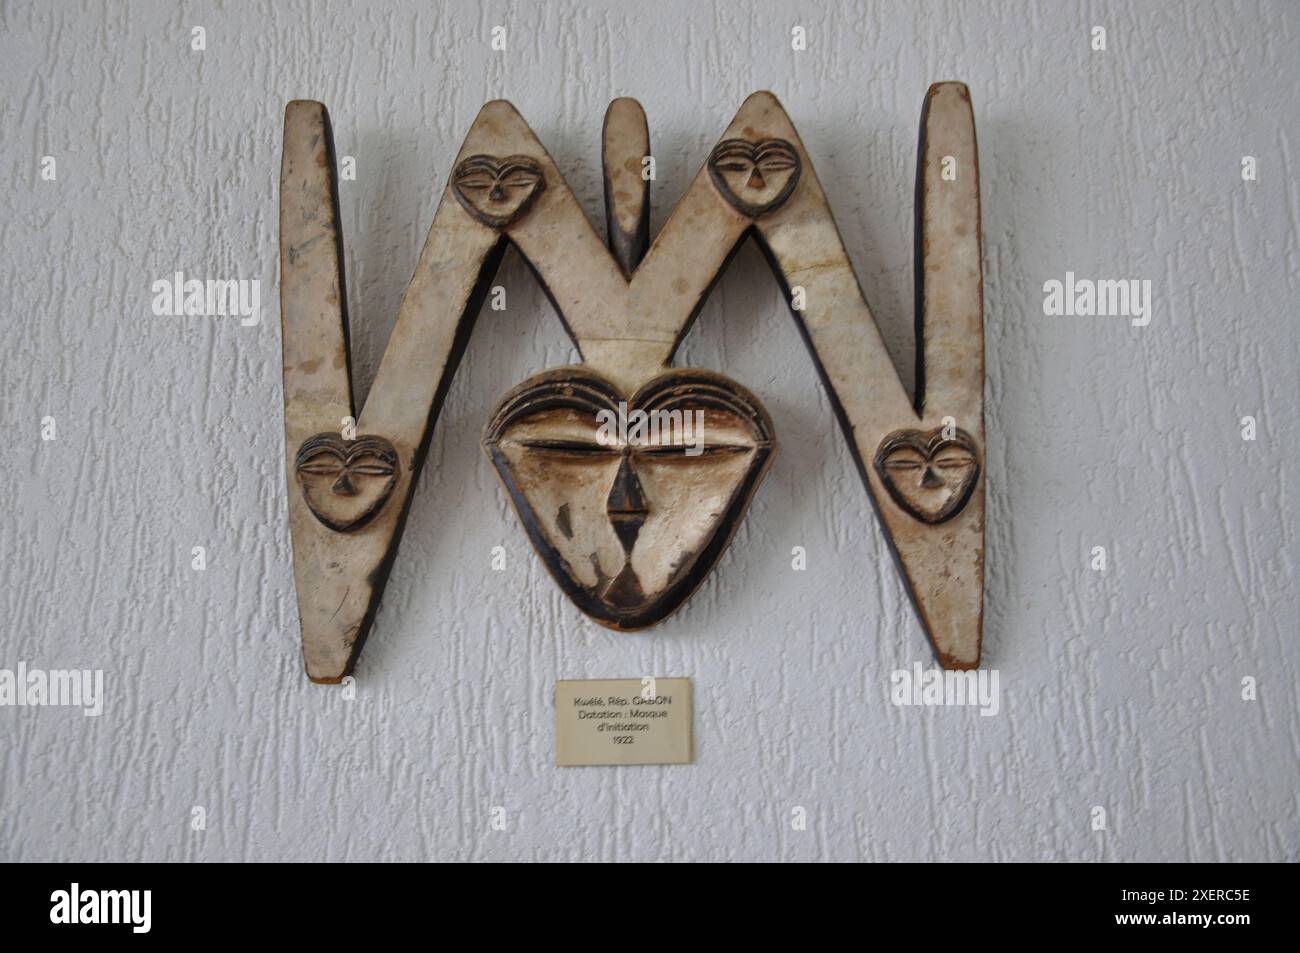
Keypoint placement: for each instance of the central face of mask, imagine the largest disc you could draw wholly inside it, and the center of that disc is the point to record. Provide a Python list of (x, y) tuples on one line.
[(629, 499)]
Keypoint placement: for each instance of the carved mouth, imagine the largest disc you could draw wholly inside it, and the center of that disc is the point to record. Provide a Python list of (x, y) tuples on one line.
[(627, 528)]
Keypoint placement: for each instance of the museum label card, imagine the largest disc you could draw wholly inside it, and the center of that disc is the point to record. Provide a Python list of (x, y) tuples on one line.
[(623, 721)]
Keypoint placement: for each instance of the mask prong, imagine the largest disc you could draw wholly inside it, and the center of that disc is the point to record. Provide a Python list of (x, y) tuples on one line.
[(342, 552), (625, 149)]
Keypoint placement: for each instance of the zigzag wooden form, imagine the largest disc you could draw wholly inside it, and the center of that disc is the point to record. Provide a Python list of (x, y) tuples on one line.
[(629, 526)]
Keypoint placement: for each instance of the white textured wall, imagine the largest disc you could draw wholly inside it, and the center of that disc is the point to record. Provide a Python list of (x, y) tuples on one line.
[(1121, 690)]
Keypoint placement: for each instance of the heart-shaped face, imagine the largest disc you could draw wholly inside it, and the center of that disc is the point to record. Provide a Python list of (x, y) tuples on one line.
[(346, 482), (497, 191), (755, 177), (927, 474), (629, 500)]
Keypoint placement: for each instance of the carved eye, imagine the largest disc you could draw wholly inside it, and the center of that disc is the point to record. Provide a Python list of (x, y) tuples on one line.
[(954, 461), (691, 452), (322, 464), (777, 160), (568, 448), (733, 155), (904, 460), (518, 178), (371, 466), (476, 181)]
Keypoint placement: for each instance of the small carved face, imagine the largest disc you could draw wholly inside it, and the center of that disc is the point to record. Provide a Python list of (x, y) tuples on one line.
[(346, 482), (928, 475), (755, 177), (497, 191), (629, 500)]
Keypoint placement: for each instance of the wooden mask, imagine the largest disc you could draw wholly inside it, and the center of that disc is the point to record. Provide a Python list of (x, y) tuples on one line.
[(628, 474)]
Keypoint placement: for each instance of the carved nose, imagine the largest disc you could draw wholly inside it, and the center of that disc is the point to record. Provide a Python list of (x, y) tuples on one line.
[(929, 480), (497, 194), (756, 179), (343, 485), (626, 504)]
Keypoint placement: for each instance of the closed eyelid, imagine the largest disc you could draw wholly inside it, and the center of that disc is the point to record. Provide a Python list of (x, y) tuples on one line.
[(684, 449), (560, 445)]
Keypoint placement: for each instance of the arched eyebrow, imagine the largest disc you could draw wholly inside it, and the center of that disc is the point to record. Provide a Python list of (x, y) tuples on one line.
[(513, 168), (320, 463), (476, 164), (321, 443), (960, 439), (589, 395), (689, 390), (732, 149), (775, 149), (367, 444)]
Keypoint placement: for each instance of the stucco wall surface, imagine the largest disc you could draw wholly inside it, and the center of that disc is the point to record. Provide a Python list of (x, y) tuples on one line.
[(1120, 689)]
